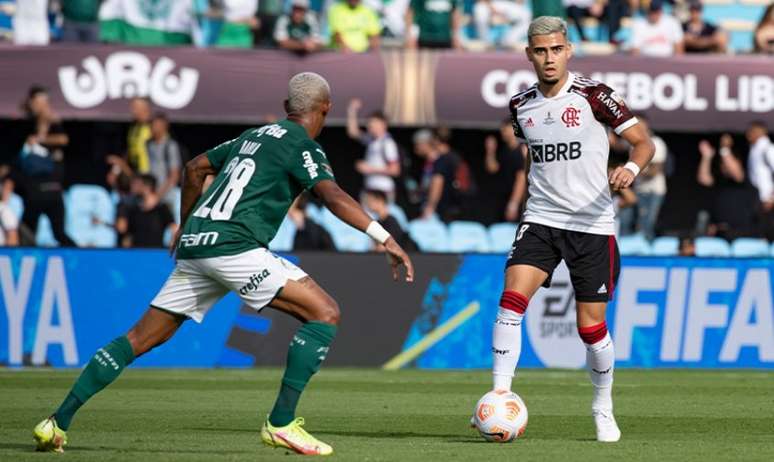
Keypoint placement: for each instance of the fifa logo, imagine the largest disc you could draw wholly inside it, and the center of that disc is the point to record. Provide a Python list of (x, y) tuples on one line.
[(571, 117), (128, 74)]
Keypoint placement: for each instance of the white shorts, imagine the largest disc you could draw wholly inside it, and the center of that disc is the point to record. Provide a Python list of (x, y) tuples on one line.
[(195, 285)]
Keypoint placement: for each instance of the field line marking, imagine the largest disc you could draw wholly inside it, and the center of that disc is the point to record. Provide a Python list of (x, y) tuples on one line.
[(435, 336)]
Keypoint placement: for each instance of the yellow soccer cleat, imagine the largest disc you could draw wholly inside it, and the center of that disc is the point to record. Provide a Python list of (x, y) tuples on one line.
[(292, 436), (49, 436)]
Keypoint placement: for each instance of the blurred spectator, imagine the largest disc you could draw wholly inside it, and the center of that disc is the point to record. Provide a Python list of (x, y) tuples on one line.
[(687, 247), (437, 23), (701, 36), (614, 11), (547, 8), (80, 21), (394, 18), (309, 235), (376, 202), (139, 134), (382, 159), (9, 223), (651, 186), (239, 21), (30, 21), (164, 159), (208, 20), (269, 12), (144, 223), (732, 202), (501, 23), (354, 27), (505, 184), (659, 34), (299, 30), (764, 32), (439, 176), (760, 167), (577, 10), (41, 163)]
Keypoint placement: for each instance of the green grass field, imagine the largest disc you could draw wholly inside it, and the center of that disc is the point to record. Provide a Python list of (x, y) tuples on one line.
[(212, 415)]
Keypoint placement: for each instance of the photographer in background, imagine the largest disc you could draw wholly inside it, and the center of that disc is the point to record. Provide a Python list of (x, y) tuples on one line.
[(143, 224)]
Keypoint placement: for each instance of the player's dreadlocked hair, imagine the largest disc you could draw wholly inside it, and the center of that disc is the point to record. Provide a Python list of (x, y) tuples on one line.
[(545, 25), (305, 91)]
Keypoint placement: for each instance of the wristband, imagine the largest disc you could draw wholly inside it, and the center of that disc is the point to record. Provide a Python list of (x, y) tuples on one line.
[(632, 167), (377, 232), (724, 151)]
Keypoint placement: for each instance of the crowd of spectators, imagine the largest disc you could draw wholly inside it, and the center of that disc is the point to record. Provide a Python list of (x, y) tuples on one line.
[(429, 179), (657, 27)]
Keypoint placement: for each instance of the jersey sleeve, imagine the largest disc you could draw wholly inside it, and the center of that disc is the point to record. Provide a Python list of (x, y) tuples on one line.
[(515, 121), (309, 165), (218, 155), (610, 109)]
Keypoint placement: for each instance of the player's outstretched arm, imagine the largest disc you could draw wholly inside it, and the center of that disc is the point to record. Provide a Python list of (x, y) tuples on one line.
[(349, 211), (194, 174), (641, 155)]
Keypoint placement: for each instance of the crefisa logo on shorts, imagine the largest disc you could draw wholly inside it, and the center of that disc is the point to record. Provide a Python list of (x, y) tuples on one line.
[(551, 324), (255, 280)]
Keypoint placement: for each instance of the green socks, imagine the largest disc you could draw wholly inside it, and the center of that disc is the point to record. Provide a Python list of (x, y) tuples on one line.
[(307, 351), (105, 366)]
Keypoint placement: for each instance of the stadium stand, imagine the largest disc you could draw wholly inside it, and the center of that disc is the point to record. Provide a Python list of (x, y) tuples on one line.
[(430, 235), (501, 237), (634, 244), (84, 203), (665, 246)]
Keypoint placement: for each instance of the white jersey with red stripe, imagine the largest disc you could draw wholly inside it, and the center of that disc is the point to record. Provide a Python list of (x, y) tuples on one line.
[(569, 147)]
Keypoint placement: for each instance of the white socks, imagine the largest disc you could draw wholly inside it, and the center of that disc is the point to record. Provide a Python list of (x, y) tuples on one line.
[(506, 338), (600, 358)]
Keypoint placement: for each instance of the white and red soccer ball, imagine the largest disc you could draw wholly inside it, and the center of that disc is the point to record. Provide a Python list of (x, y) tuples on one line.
[(500, 416)]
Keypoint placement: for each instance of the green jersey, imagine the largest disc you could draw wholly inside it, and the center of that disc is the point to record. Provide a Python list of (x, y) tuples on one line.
[(434, 19), (259, 175)]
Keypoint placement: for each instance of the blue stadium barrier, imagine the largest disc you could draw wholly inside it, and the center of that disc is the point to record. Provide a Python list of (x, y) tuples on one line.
[(712, 247), (750, 247), (501, 236), (468, 236), (430, 235)]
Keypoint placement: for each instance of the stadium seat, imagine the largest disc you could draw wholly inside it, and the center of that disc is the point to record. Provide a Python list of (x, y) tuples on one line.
[(44, 237), (430, 235), (501, 237), (399, 215), (712, 247), (174, 202), (314, 213), (634, 244), (283, 241), (750, 247), (665, 246), (468, 236), (345, 237), (16, 204), (83, 203)]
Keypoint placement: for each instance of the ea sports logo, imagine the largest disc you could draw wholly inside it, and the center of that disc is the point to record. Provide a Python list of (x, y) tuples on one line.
[(571, 117), (551, 324)]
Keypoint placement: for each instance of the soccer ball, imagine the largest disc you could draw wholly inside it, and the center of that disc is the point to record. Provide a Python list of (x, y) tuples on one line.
[(500, 416)]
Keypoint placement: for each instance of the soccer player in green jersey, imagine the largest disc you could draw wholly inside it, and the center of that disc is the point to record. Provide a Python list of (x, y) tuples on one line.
[(222, 247)]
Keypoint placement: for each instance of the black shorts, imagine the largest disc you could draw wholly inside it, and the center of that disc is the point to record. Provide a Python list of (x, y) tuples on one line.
[(592, 259)]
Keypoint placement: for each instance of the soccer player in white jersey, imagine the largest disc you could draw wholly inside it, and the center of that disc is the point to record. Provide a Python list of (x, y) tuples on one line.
[(569, 214)]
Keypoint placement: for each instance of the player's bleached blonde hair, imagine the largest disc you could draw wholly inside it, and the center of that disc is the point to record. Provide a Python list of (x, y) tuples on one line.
[(545, 25), (305, 91)]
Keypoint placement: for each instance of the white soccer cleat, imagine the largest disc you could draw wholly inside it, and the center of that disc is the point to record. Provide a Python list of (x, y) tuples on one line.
[(607, 429)]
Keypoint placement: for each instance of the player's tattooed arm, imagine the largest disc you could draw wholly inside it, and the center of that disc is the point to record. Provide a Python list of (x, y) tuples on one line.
[(642, 153)]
